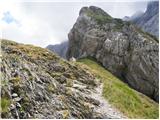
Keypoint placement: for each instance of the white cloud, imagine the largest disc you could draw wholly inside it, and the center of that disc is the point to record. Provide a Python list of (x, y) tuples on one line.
[(42, 23)]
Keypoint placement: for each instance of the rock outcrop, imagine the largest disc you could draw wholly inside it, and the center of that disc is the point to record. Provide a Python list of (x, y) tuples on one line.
[(60, 49), (148, 21), (119, 46), (35, 83)]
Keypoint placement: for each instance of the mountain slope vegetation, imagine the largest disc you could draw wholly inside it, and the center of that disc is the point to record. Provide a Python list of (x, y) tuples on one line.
[(132, 103)]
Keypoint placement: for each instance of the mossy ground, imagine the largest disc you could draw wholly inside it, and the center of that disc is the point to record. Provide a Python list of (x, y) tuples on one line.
[(132, 103)]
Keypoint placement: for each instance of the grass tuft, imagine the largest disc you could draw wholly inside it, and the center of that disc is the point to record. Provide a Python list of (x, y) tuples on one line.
[(4, 105)]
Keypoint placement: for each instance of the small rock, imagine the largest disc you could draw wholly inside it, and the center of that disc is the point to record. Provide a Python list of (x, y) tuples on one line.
[(28, 115), (38, 80), (94, 101), (18, 105), (17, 99), (68, 75), (15, 73), (36, 112), (62, 79), (72, 59), (12, 107), (22, 115), (14, 95)]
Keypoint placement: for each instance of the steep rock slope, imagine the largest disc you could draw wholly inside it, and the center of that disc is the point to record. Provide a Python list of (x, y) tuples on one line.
[(123, 49), (148, 21), (38, 84), (60, 49)]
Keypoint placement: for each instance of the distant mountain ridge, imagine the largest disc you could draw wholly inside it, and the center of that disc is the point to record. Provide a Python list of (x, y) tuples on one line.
[(149, 20), (134, 16), (60, 49)]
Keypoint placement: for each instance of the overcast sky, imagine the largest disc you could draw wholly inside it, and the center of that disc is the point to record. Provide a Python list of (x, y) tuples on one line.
[(43, 22)]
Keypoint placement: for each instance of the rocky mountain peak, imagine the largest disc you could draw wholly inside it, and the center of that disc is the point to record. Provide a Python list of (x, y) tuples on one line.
[(153, 7), (93, 9), (149, 20), (120, 47)]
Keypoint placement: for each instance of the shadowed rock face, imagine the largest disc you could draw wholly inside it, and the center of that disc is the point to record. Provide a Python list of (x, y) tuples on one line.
[(37, 84), (148, 21), (60, 49), (123, 49)]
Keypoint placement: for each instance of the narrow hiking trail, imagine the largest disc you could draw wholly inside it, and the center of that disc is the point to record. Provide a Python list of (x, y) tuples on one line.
[(105, 108)]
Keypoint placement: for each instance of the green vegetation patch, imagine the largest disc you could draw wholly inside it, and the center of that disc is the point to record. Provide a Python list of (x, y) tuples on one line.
[(130, 102), (5, 103), (69, 83), (99, 18), (30, 50), (118, 24), (15, 80), (7, 42), (51, 88)]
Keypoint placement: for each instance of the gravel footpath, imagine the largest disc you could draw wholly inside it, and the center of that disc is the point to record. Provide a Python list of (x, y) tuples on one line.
[(105, 108)]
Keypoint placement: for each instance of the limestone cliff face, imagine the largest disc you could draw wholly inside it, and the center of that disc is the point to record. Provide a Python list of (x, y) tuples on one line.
[(123, 49)]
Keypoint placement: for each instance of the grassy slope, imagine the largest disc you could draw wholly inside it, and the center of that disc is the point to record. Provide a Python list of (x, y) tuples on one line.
[(132, 103)]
